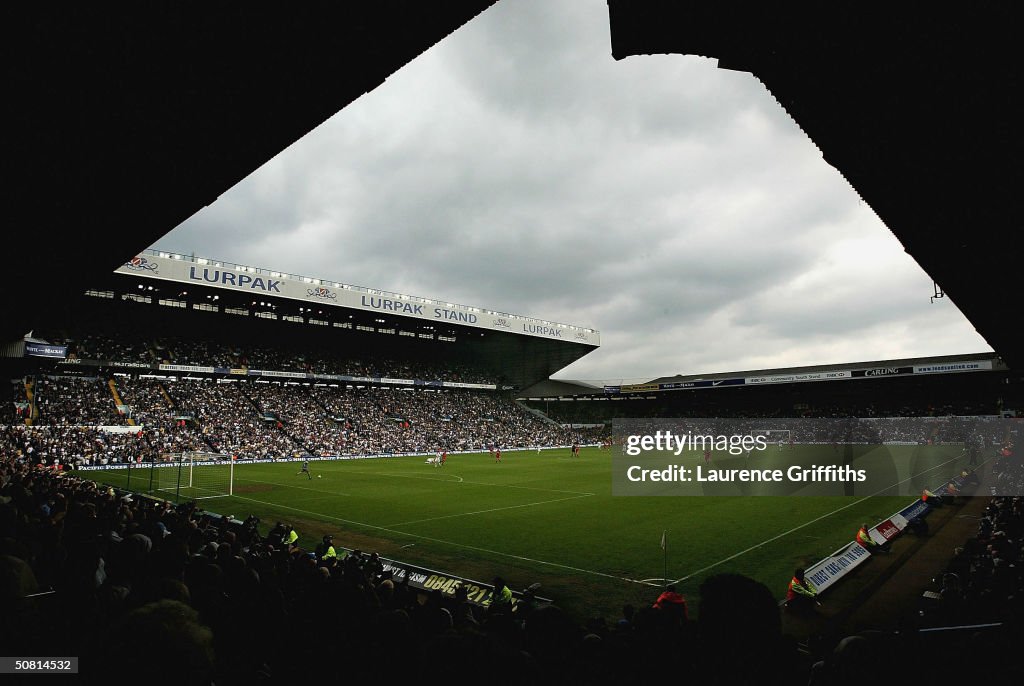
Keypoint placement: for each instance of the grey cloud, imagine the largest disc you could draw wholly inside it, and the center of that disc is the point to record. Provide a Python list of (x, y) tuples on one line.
[(516, 166)]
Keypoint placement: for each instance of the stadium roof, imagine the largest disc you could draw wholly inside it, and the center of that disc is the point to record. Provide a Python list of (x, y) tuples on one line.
[(917, 106), (157, 295), (121, 124), (189, 271), (996, 364), (914, 366)]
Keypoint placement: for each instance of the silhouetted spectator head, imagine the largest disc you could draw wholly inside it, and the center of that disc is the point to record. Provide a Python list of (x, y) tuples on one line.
[(549, 635), (16, 579), (740, 628), (176, 629), (386, 591), (732, 605), (852, 660)]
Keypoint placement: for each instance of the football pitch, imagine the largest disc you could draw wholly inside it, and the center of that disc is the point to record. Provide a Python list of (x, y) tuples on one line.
[(548, 518)]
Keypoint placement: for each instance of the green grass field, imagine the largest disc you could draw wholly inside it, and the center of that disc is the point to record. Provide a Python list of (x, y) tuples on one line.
[(547, 518)]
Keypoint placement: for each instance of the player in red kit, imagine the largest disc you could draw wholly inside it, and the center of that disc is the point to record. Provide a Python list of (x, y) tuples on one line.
[(497, 454)]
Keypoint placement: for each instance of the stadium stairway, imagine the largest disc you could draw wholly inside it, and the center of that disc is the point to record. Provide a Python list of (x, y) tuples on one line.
[(296, 440), (33, 411), (546, 419), (252, 401), (166, 395), (117, 398), (316, 401), (887, 589)]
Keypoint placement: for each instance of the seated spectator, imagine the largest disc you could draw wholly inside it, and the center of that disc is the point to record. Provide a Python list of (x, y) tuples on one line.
[(325, 549), (501, 598)]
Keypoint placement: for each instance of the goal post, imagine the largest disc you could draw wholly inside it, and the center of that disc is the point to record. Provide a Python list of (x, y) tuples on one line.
[(197, 475)]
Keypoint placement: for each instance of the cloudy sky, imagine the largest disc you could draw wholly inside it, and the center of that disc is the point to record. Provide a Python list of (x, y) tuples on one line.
[(671, 205)]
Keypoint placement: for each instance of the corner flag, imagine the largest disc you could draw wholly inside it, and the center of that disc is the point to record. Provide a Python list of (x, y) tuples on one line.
[(664, 546)]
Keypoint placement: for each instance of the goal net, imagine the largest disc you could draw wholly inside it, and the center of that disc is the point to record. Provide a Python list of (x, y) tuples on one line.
[(197, 475)]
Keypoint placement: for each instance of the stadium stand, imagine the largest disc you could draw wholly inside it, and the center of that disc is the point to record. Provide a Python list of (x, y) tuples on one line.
[(266, 611), (96, 552), (274, 419), (87, 563), (103, 556), (101, 560), (178, 350)]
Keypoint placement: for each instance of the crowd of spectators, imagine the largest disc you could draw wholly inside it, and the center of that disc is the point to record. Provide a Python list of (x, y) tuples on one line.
[(181, 350), (67, 445), (97, 346), (970, 618), (70, 400), (984, 580), (120, 574), (189, 351), (386, 420), (273, 420), (262, 419), (165, 427), (100, 347), (231, 423), (136, 586)]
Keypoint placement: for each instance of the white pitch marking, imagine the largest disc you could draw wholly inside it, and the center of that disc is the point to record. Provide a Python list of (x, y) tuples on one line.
[(493, 509), (451, 543), (304, 488), (816, 519), (472, 483)]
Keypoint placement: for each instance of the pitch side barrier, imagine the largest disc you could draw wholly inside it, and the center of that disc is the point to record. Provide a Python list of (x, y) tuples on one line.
[(429, 581), (893, 456), (420, 578), (309, 458), (827, 571)]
